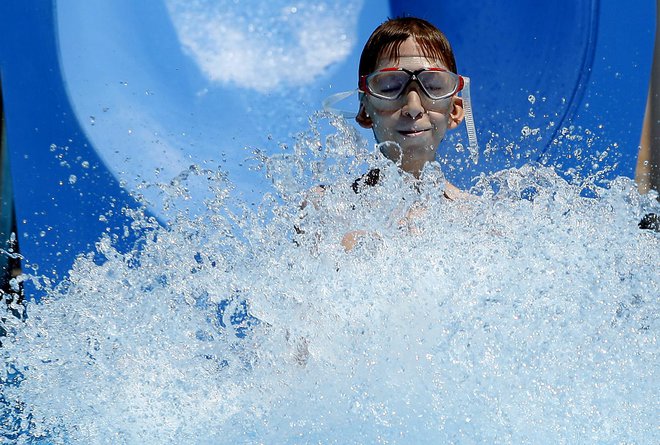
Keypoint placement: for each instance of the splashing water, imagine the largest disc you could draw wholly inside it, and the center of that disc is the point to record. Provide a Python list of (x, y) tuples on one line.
[(523, 314)]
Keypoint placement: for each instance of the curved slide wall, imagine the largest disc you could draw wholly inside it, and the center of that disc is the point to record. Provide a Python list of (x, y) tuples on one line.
[(122, 92)]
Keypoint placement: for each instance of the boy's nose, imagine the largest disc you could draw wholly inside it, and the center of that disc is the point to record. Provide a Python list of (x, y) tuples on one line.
[(413, 106)]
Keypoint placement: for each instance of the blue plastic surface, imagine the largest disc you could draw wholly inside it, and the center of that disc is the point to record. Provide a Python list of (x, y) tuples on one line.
[(61, 188)]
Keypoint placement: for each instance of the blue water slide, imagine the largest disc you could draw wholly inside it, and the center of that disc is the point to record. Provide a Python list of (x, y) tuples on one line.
[(64, 196), (103, 98)]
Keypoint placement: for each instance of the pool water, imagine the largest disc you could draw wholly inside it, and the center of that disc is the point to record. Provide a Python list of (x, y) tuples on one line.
[(526, 313)]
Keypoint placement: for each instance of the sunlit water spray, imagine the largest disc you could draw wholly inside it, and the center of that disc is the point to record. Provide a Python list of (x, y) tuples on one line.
[(524, 314)]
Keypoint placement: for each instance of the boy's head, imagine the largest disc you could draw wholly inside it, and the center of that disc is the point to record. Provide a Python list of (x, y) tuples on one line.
[(409, 84), (388, 37)]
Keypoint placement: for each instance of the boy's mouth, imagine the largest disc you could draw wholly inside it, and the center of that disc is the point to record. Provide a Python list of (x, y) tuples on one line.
[(414, 132)]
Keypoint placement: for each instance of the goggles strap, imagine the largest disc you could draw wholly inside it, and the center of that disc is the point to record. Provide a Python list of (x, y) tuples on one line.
[(330, 102), (473, 146)]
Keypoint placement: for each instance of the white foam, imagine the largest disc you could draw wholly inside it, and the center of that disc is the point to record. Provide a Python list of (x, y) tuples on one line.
[(263, 46)]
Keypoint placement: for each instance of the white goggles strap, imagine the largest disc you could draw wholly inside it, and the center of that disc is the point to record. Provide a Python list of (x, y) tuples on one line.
[(330, 102), (473, 146)]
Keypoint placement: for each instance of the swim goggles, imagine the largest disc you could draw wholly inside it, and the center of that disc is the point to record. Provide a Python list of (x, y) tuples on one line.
[(388, 85)]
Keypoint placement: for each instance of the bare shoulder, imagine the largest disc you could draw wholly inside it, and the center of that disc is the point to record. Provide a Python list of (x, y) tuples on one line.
[(453, 193)]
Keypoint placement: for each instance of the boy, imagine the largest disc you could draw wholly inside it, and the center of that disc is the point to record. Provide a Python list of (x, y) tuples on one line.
[(408, 86), (408, 96)]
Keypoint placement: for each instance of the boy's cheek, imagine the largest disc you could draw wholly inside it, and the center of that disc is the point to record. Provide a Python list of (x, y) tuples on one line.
[(383, 132)]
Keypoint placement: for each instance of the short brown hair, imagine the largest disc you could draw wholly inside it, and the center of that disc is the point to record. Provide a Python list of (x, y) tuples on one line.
[(388, 37)]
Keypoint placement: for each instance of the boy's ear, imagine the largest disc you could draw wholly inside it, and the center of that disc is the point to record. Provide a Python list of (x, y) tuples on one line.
[(363, 118), (457, 113)]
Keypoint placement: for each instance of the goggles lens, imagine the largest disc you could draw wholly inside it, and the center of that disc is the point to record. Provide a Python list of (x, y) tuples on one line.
[(390, 83)]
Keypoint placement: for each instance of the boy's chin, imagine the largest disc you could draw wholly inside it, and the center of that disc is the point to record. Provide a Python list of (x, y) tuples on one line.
[(418, 151), (408, 149)]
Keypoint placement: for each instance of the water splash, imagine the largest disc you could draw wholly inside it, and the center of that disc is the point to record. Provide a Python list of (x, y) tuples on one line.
[(294, 42), (526, 313)]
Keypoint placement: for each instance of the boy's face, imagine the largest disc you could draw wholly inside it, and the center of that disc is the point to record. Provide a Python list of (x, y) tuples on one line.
[(413, 121)]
